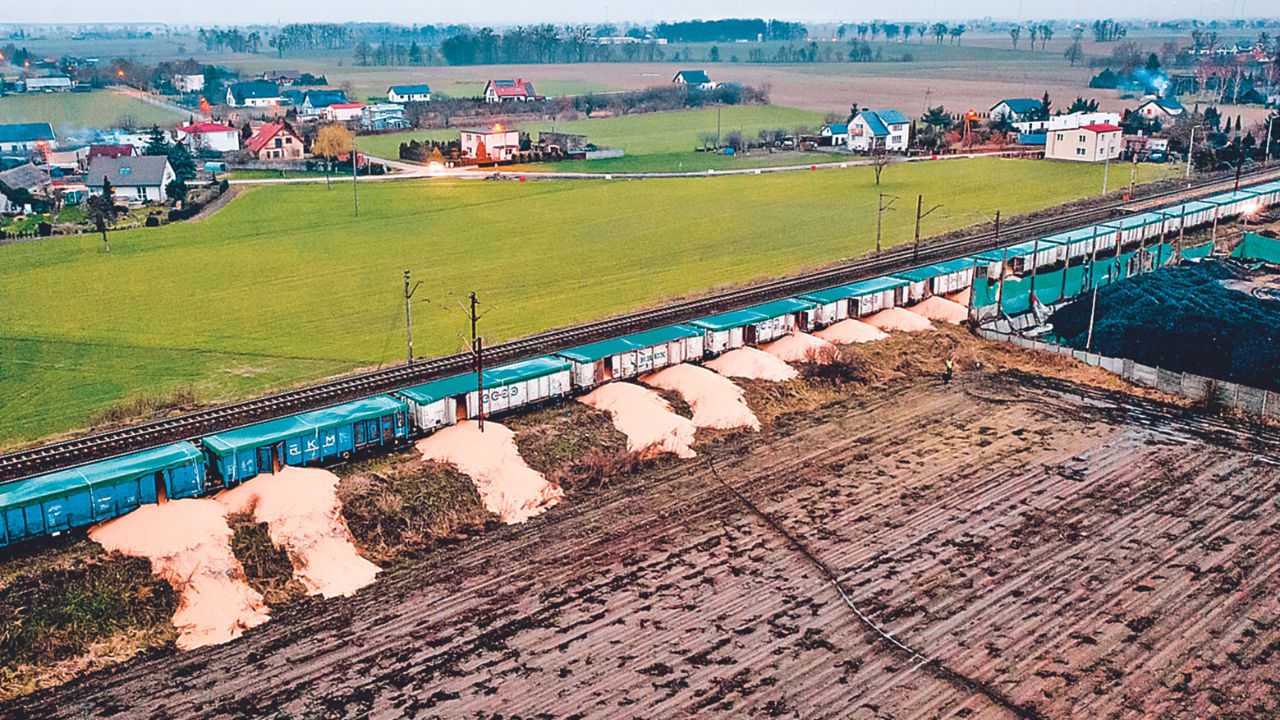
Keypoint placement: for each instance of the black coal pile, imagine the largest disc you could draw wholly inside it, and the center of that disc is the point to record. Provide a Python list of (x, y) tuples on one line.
[(1198, 318)]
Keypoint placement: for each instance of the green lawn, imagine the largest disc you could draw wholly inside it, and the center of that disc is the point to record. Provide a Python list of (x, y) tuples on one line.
[(655, 142), (285, 285), (77, 110)]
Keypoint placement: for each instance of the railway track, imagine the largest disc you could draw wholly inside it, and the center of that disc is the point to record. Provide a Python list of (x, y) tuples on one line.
[(67, 453)]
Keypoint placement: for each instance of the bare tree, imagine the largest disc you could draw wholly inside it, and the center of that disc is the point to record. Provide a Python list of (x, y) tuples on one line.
[(879, 160), (1014, 33)]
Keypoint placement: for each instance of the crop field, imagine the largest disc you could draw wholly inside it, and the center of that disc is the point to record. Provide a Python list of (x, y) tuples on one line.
[(1051, 549), (285, 285), (75, 110), (655, 142)]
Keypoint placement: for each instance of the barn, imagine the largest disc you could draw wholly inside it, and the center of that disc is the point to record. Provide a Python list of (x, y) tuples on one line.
[(308, 438), (67, 499), (940, 279), (507, 387), (633, 355), (755, 325)]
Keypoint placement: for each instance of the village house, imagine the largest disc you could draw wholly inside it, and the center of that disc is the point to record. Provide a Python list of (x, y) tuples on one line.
[(185, 83), (1088, 143), (34, 180), (134, 180), (873, 130), (52, 83), (1079, 119), (409, 93), (314, 102), (342, 112), (383, 116), (1016, 109), (835, 134), (282, 77), (210, 136), (109, 151), (253, 93), (1160, 109), (26, 138), (490, 145), (275, 141), (694, 78), (518, 90)]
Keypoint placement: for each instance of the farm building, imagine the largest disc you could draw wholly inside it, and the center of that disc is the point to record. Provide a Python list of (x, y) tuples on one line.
[(409, 93), (940, 279), (1087, 143), (24, 138), (518, 90), (210, 136), (253, 93), (67, 499), (755, 325), (1161, 109), (312, 437), (492, 145), (52, 83), (835, 134), (444, 402), (275, 141), (694, 78), (184, 83), (857, 299), (633, 355), (143, 179), (874, 130)]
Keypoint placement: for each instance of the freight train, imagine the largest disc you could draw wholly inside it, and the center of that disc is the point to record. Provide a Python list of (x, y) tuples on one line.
[(54, 503)]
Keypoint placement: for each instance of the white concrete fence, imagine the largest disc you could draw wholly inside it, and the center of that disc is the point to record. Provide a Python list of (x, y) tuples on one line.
[(1251, 400)]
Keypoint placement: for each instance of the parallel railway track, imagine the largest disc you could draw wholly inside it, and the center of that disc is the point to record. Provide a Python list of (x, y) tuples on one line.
[(84, 449)]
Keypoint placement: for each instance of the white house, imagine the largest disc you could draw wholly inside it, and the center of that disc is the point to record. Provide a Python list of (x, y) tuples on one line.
[(1015, 109), (53, 83), (492, 145), (210, 136), (1161, 108), (314, 102), (253, 93), (409, 93), (343, 112), (185, 83), (518, 90), (1088, 143), (383, 116), (887, 130), (135, 180), (1080, 119), (835, 134), (694, 78)]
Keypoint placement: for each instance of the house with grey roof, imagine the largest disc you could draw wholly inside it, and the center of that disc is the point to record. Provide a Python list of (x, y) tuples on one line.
[(253, 93), (135, 180), (26, 138), (876, 130), (28, 177)]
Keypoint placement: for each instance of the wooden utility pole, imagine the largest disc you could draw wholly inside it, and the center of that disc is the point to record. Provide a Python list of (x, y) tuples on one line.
[(880, 215), (919, 206), (408, 320), (478, 358)]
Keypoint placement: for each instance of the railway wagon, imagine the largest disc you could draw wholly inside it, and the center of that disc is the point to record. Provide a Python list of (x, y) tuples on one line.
[(1194, 213), (755, 325), (856, 300), (1019, 259), (75, 497), (1134, 229), (940, 279), (448, 400), (308, 438), (1267, 194), (1081, 242), (633, 355), (1236, 202)]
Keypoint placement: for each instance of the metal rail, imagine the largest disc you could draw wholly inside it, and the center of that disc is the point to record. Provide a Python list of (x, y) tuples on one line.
[(97, 446)]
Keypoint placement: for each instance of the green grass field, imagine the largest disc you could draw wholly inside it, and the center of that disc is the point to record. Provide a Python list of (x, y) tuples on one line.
[(76, 110), (285, 285), (655, 142)]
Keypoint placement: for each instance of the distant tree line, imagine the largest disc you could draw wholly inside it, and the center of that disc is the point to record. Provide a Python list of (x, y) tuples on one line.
[(232, 40), (730, 29)]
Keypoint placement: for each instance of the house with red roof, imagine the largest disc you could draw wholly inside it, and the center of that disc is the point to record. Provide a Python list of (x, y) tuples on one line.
[(518, 90), (210, 136), (342, 112), (110, 151), (1094, 142), (275, 141)]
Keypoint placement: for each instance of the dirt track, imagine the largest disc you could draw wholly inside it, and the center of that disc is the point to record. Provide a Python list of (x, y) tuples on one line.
[(1079, 558)]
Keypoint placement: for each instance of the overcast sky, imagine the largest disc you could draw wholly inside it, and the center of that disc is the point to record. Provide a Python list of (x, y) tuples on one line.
[(228, 12)]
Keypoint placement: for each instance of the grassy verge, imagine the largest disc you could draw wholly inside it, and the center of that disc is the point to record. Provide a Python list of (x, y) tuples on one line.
[(77, 110)]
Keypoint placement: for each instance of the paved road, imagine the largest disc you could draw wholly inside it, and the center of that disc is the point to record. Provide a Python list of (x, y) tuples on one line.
[(410, 171)]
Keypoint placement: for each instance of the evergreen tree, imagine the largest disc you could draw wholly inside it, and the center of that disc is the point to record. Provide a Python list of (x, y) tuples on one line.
[(182, 162), (157, 142)]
